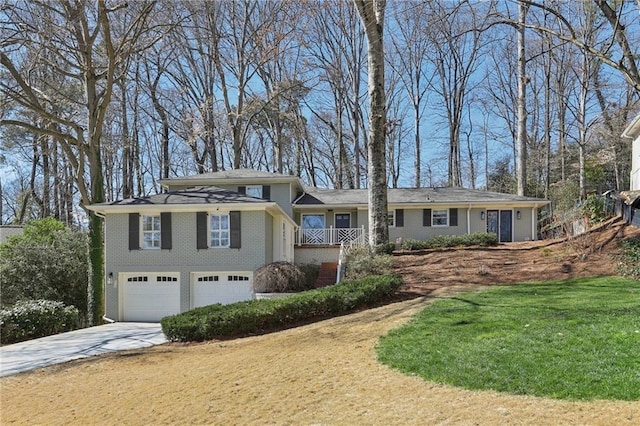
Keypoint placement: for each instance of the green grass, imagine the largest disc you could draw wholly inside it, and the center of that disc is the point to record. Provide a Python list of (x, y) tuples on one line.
[(574, 339)]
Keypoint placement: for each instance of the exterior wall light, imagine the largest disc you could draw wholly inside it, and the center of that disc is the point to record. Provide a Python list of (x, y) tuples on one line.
[(482, 215), (110, 278), (518, 215)]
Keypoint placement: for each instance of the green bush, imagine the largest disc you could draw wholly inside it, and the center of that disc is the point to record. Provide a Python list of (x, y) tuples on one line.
[(48, 262), (593, 209), (362, 263), (482, 239), (630, 259), (36, 318), (258, 316)]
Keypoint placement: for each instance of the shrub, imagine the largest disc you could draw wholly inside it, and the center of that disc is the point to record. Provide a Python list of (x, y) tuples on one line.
[(362, 263), (47, 262), (310, 272), (279, 277), (36, 318), (482, 239), (630, 259), (593, 209), (257, 316)]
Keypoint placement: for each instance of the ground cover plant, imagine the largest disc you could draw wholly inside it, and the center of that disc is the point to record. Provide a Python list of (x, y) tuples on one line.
[(630, 258), (568, 339)]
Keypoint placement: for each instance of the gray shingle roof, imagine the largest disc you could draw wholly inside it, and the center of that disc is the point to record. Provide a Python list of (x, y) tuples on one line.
[(315, 196), (193, 196)]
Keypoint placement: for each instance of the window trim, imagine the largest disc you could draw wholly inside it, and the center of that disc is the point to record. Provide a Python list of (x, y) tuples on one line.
[(144, 232), (248, 188), (391, 218), (342, 213), (210, 230), (324, 220), (433, 211)]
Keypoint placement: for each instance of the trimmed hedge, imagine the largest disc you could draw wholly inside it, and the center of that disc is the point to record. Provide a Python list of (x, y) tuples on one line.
[(482, 239), (257, 316), (36, 318)]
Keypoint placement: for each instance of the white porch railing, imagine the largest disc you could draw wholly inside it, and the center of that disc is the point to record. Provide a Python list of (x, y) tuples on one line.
[(330, 236)]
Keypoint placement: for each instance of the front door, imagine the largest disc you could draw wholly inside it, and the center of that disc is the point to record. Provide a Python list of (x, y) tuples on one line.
[(499, 223), (343, 220)]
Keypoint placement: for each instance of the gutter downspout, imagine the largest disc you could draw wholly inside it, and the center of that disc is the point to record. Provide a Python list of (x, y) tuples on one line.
[(469, 220), (534, 234), (104, 317)]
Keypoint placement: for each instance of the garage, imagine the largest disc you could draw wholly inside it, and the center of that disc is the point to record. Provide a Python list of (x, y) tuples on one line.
[(208, 288), (150, 297)]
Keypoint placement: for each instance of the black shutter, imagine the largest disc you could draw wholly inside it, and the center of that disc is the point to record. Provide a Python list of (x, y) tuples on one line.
[(134, 231), (242, 190), (453, 217), (234, 227), (165, 231), (399, 217), (426, 217), (266, 192), (201, 231)]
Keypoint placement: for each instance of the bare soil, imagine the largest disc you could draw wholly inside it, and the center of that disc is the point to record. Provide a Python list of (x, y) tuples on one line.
[(324, 373)]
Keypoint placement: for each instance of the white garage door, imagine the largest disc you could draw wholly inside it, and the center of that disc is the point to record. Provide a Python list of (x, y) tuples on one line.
[(208, 288), (150, 297)]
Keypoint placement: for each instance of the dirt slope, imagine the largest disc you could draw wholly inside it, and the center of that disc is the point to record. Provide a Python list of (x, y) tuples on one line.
[(593, 254), (320, 374)]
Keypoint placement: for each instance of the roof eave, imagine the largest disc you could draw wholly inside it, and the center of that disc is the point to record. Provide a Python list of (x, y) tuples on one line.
[(182, 208), (426, 204), (633, 129), (196, 181)]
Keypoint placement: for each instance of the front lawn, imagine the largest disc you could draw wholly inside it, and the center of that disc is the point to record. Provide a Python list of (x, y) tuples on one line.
[(573, 339)]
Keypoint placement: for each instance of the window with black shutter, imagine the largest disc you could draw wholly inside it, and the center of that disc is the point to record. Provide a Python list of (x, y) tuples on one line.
[(134, 231), (165, 231), (453, 217), (426, 217)]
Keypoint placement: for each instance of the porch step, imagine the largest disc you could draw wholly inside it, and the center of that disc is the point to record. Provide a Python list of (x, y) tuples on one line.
[(327, 274)]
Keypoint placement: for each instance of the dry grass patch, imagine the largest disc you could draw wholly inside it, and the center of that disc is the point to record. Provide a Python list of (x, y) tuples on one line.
[(323, 373)]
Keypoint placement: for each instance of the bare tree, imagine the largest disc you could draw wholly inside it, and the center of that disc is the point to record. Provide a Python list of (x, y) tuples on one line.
[(455, 31), (412, 49), (83, 48), (372, 15), (521, 169), (626, 64)]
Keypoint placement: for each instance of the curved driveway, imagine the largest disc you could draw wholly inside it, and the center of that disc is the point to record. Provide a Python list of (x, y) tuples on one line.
[(120, 336)]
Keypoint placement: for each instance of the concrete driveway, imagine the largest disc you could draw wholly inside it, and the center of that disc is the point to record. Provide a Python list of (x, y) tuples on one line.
[(119, 336)]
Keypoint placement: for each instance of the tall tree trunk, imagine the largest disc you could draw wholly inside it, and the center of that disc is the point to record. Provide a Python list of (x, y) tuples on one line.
[(521, 166), (372, 15)]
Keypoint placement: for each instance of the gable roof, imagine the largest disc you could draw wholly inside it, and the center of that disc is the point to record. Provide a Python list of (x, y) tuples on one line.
[(411, 196), (235, 176)]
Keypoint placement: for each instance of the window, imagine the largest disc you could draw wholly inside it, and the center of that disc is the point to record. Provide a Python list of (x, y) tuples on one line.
[(219, 230), (209, 278), (313, 229), (151, 232), (313, 221), (391, 218), (440, 218), (237, 278), (254, 191)]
